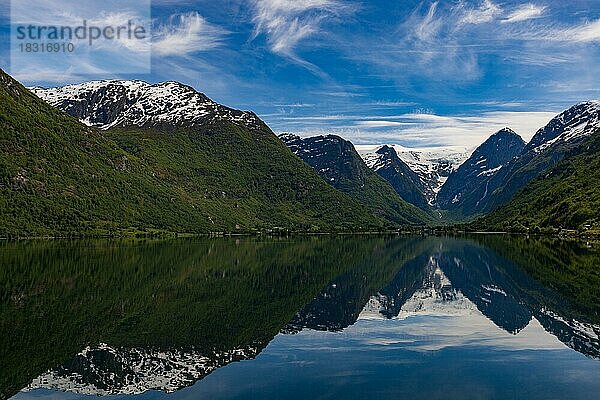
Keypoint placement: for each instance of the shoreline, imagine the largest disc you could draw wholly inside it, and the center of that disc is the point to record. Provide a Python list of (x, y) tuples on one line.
[(417, 232)]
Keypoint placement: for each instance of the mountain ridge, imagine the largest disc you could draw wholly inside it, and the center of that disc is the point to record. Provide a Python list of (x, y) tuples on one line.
[(562, 136), (404, 180), (470, 182), (563, 196), (59, 177), (122, 103), (340, 165)]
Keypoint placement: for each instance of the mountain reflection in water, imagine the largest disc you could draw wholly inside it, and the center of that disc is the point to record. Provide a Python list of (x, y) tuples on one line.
[(107, 318)]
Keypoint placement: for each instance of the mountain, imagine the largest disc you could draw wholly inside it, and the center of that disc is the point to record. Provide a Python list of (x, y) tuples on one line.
[(338, 163), (565, 196), (159, 168), (562, 136), (470, 183), (405, 181), (433, 165), (122, 103)]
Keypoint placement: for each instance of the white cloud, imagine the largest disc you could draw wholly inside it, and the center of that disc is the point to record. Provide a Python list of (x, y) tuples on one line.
[(421, 129), (75, 71), (446, 42), (587, 32), (124, 42), (486, 12), (525, 12), (185, 34), (102, 57), (286, 23), (429, 39), (427, 118), (430, 130), (380, 123), (427, 28)]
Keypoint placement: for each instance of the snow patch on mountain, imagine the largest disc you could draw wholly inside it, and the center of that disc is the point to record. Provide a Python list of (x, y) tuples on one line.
[(432, 164), (490, 172), (112, 103), (575, 123), (374, 161)]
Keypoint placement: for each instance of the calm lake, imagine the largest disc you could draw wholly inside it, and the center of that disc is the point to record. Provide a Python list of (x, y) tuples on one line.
[(382, 317)]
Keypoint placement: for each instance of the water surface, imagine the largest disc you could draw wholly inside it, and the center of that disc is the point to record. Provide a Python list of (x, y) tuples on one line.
[(479, 317)]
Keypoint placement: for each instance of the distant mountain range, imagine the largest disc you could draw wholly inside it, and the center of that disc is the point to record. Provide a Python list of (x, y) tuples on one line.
[(549, 182), (134, 156), (433, 165)]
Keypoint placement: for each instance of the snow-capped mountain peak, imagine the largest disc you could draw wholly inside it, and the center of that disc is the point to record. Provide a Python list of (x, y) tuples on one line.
[(575, 123), (379, 158), (121, 103)]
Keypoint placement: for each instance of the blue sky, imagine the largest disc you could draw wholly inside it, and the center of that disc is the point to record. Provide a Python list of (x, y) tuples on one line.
[(417, 73)]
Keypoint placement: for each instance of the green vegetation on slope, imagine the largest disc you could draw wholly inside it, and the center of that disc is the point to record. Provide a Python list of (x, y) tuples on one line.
[(59, 177), (566, 196), (380, 197)]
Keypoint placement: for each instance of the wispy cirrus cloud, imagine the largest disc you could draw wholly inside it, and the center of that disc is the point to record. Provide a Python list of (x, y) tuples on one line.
[(380, 123), (581, 33), (485, 12), (586, 32), (93, 54), (420, 129), (524, 13), (448, 41), (451, 24), (185, 34), (286, 23), (426, 27)]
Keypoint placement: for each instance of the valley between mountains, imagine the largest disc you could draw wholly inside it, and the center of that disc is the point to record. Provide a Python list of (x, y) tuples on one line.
[(112, 157)]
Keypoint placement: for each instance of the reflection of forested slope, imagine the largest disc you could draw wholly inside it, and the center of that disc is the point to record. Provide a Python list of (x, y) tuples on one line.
[(503, 287), (559, 282), (474, 271), (209, 295), (567, 272), (211, 302), (406, 282)]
